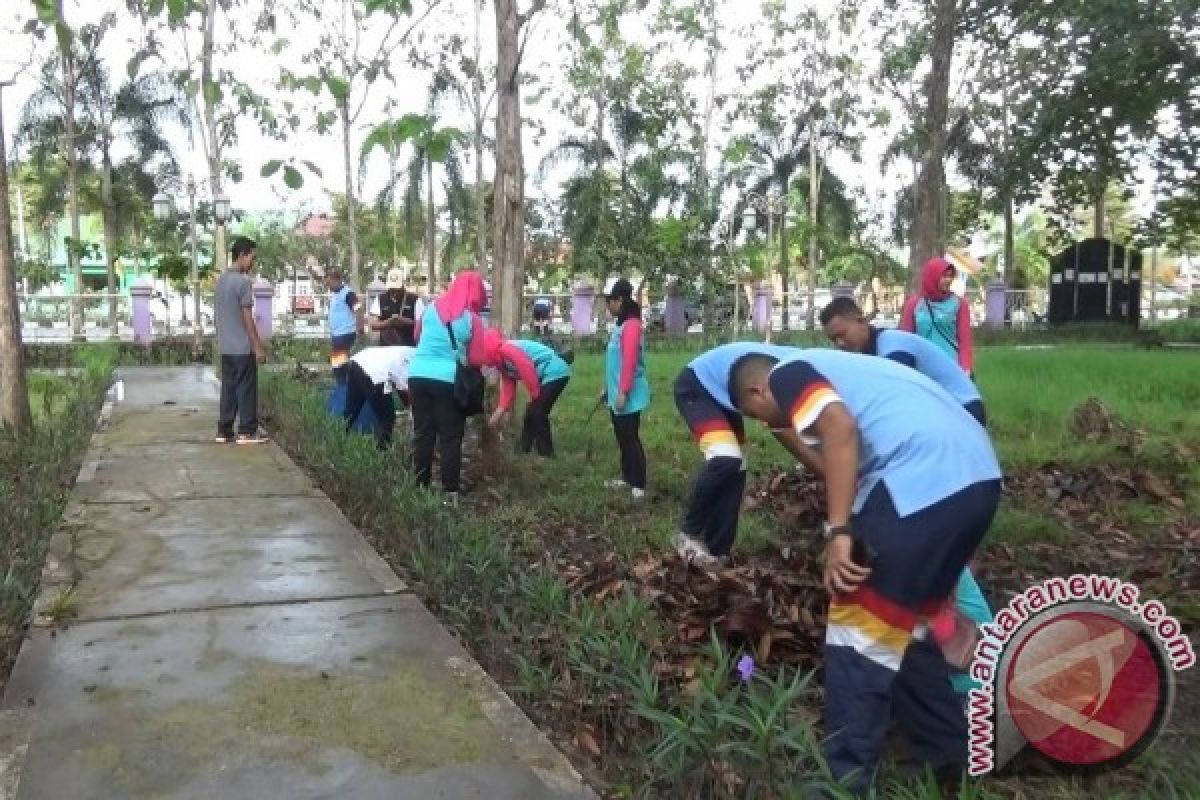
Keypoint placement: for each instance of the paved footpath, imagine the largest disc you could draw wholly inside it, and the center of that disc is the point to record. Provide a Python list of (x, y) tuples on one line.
[(236, 637)]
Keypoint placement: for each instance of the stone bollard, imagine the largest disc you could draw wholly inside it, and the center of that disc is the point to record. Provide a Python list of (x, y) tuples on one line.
[(264, 307), (583, 297), (762, 308), (674, 311), (143, 325), (995, 306), (842, 289)]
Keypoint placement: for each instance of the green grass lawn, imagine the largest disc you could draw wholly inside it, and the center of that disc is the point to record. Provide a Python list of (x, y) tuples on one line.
[(1029, 394), (524, 570)]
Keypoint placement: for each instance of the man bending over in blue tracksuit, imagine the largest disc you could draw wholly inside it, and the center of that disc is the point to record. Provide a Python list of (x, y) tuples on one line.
[(912, 484)]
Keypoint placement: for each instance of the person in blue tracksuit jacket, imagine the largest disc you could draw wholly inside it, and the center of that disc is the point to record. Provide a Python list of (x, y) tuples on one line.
[(912, 484), (848, 329)]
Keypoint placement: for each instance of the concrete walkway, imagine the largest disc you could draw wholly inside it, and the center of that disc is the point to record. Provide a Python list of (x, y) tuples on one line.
[(235, 637)]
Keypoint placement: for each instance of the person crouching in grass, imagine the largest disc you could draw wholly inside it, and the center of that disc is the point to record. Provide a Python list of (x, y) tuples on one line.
[(911, 486), (373, 376), (545, 374), (701, 390), (848, 329)]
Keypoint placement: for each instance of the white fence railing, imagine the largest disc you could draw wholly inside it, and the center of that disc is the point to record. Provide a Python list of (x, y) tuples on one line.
[(49, 318)]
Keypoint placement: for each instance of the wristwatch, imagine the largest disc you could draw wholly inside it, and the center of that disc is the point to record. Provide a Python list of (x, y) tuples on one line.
[(836, 530)]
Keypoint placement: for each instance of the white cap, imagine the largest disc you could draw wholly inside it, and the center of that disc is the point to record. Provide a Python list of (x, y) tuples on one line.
[(395, 279)]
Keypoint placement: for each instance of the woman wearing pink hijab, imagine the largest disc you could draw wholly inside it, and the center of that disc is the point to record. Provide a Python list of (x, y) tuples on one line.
[(449, 332), (939, 315)]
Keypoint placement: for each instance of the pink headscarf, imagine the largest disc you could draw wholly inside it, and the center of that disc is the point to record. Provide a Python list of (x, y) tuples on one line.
[(466, 293), (493, 345), (931, 276)]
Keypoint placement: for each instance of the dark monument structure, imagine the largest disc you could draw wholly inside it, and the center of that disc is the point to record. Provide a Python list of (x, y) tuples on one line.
[(1096, 280)]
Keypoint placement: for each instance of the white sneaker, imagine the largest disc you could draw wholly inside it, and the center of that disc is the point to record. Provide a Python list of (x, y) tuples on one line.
[(693, 551), (639, 495), (616, 483)]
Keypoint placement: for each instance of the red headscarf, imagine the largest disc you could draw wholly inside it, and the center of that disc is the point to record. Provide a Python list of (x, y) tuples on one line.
[(493, 344), (466, 293), (931, 276)]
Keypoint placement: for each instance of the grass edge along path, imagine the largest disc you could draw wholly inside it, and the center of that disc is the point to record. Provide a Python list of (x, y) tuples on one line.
[(36, 477)]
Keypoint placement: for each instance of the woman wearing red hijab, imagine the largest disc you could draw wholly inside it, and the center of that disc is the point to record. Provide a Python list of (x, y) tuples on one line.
[(545, 374), (939, 315), (449, 332)]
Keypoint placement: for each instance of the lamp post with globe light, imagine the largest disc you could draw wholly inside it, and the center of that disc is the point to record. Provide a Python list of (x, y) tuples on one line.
[(163, 208), (773, 206)]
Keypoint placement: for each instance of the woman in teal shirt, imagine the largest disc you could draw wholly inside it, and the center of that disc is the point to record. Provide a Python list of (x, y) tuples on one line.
[(437, 418), (939, 315), (626, 391)]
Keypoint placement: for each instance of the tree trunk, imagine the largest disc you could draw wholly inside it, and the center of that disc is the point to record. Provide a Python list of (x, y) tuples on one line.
[(814, 208), (351, 202), (785, 271), (927, 241), (480, 201), (1010, 244), (710, 69), (509, 191), (430, 224), (1098, 213), (393, 162), (220, 251), (71, 145), (14, 396), (109, 211)]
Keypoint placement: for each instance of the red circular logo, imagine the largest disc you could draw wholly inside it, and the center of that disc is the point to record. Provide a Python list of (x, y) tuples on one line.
[(1085, 688)]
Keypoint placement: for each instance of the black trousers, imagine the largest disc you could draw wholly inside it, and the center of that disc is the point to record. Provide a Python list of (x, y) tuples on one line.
[(716, 500), (627, 427), (536, 429), (437, 421), (360, 389), (239, 395)]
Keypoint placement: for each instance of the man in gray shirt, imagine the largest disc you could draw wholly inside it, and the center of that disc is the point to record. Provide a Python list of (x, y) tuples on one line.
[(240, 347)]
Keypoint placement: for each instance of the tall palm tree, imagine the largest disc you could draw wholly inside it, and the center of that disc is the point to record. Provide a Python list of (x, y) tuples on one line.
[(430, 144), (135, 113), (777, 154)]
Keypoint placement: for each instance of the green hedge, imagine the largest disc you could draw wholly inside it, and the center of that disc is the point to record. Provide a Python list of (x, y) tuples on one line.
[(36, 476)]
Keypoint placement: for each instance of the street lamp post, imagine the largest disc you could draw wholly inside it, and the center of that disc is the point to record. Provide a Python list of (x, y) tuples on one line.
[(197, 325), (773, 206), (163, 208), (221, 212)]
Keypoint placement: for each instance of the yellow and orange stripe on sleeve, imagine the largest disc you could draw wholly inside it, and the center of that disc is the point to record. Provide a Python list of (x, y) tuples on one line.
[(811, 402)]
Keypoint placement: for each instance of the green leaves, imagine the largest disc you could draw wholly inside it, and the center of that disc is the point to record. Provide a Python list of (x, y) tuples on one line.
[(338, 86), (212, 93), (177, 10), (292, 177), (394, 7), (270, 168)]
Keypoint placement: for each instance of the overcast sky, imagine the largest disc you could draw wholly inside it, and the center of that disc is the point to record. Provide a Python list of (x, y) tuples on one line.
[(545, 56)]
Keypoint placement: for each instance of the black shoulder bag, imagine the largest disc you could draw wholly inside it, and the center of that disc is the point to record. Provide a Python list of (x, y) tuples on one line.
[(468, 381)]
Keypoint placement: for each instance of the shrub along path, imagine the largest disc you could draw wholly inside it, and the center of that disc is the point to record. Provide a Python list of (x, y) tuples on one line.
[(230, 634)]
